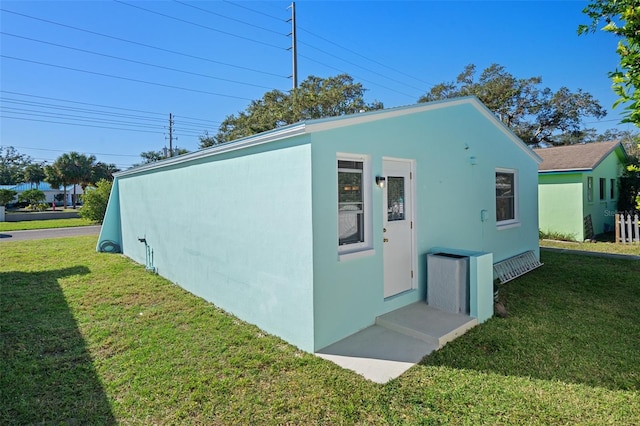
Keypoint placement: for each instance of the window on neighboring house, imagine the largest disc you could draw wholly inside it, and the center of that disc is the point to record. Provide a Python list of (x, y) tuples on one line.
[(353, 204), (589, 188), (603, 188), (612, 188), (506, 197)]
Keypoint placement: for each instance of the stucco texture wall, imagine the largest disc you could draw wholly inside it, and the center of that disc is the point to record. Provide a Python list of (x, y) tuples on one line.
[(451, 195), (233, 229)]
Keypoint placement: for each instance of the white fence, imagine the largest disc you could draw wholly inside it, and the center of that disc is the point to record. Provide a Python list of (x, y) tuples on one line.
[(627, 229)]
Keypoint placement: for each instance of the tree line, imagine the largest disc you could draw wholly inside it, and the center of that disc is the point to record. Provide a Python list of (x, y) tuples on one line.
[(68, 169)]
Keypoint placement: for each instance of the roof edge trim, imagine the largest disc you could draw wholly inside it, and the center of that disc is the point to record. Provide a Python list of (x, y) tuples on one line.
[(249, 141)]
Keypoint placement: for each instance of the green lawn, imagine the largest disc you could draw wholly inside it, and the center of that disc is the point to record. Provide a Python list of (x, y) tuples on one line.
[(600, 246), (44, 224), (89, 338)]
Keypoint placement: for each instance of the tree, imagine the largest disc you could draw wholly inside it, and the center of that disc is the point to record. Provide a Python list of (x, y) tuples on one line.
[(537, 115), (628, 139), (103, 171), (95, 201), (74, 168), (34, 197), (316, 97), (7, 196), (34, 174), (12, 165), (56, 179), (153, 156), (622, 18)]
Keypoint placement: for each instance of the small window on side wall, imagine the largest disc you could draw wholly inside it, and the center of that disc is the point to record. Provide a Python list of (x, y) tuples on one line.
[(353, 204), (612, 189), (603, 188), (506, 197), (589, 188)]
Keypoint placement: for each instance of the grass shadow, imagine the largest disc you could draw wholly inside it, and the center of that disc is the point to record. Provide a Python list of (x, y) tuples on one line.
[(46, 374), (574, 320)]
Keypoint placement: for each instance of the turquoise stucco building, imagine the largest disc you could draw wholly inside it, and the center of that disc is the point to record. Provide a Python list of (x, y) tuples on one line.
[(579, 181), (313, 230)]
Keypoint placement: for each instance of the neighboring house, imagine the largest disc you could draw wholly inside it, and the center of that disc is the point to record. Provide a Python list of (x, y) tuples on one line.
[(577, 182), (294, 230), (49, 192)]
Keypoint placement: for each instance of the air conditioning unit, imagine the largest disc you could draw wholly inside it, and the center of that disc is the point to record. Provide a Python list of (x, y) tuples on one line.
[(448, 282)]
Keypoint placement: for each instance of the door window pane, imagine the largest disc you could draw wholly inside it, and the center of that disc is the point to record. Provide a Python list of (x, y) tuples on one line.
[(395, 198)]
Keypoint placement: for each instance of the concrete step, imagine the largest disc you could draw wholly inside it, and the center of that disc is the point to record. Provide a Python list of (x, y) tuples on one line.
[(431, 325)]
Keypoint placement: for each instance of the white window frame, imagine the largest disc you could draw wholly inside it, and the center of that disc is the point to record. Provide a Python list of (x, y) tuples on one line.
[(348, 251), (509, 223)]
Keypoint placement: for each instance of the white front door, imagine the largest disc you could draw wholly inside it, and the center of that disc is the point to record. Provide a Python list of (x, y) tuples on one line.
[(398, 226)]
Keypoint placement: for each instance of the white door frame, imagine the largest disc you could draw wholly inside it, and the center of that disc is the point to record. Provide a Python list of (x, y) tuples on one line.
[(410, 212)]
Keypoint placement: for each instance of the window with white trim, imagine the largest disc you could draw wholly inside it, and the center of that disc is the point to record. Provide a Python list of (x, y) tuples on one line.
[(354, 207), (589, 188), (506, 196)]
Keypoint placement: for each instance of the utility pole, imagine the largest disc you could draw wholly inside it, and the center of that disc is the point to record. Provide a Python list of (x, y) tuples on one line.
[(170, 135), (294, 45)]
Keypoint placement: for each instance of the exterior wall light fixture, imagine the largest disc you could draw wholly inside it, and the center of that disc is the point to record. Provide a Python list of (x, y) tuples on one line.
[(380, 181)]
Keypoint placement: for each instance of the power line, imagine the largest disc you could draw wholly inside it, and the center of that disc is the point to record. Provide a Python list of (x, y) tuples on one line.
[(144, 44), (74, 109), (359, 78), (365, 57), (255, 11), (360, 66), (91, 52), (125, 78), (103, 106), (76, 124), (195, 129), (200, 25), (37, 113), (61, 150), (187, 127), (230, 18), (341, 47)]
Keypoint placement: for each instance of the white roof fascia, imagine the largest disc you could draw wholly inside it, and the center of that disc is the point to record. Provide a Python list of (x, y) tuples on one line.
[(259, 139)]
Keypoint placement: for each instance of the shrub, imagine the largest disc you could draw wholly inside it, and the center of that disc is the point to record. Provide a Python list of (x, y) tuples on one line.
[(6, 196), (552, 235), (39, 207), (33, 197), (95, 201)]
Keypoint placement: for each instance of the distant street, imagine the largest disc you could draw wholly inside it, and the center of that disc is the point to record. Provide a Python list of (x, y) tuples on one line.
[(39, 234)]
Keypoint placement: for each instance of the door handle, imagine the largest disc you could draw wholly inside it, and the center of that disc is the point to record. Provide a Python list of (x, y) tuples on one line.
[(386, 240)]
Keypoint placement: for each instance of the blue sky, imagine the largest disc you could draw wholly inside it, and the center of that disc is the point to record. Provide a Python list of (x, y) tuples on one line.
[(118, 65)]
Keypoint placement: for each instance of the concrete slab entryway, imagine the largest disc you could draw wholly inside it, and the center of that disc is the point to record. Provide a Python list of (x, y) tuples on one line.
[(397, 341)]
